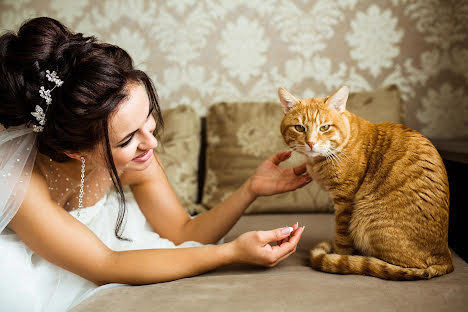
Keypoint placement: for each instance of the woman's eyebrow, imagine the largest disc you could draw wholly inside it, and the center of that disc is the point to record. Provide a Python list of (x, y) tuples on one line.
[(132, 133), (126, 137)]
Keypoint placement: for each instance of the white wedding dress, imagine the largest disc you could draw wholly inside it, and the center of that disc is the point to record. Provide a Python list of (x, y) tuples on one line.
[(30, 283)]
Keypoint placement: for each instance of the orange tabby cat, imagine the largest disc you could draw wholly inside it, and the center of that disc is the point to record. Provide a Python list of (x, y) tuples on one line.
[(389, 187)]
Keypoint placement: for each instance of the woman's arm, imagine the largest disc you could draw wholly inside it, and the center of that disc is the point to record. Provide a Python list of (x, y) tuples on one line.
[(160, 205), (55, 235), (160, 265), (168, 218), (268, 179)]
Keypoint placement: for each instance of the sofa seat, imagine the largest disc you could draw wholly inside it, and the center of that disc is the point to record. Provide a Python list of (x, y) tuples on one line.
[(290, 286)]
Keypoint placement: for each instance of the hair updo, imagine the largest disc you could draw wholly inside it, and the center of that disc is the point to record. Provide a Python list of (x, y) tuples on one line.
[(95, 78)]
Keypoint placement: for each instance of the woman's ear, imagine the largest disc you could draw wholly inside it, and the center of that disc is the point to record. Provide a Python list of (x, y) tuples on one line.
[(287, 99), (338, 100), (74, 156)]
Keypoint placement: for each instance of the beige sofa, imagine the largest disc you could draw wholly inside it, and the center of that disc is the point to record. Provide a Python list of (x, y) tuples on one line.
[(207, 161)]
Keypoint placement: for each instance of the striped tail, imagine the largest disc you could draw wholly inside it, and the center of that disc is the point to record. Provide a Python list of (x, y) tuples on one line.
[(322, 260)]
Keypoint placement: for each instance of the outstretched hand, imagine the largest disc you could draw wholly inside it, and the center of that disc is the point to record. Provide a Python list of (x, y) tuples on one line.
[(254, 247), (270, 179)]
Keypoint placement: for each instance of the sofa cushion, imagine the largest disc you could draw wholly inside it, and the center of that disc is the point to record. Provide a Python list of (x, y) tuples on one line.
[(240, 135), (377, 106), (291, 285), (179, 151)]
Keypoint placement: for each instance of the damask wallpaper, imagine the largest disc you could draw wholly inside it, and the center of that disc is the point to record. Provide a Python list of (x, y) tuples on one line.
[(203, 51)]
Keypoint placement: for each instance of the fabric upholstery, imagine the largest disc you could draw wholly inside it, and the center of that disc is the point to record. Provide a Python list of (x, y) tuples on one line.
[(290, 286), (179, 151)]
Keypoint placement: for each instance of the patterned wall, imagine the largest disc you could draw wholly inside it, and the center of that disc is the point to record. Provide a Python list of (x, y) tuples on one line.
[(202, 51)]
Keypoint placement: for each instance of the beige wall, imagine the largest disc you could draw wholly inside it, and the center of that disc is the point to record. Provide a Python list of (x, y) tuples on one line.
[(202, 51)]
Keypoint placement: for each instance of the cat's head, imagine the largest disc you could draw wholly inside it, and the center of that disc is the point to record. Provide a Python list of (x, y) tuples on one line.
[(315, 126)]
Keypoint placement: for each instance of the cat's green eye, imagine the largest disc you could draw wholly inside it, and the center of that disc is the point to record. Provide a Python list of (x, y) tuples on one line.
[(299, 128), (324, 128)]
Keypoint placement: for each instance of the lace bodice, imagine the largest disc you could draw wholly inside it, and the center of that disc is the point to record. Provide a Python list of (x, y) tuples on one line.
[(64, 180)]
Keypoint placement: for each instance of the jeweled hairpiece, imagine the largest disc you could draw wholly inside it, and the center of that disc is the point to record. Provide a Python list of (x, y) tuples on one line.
[(39, 113)]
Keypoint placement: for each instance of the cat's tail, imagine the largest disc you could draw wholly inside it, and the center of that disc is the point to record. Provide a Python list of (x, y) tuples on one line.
[(322, 260)]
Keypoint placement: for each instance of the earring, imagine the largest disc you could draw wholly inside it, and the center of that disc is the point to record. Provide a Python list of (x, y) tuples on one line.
[(80, 197)]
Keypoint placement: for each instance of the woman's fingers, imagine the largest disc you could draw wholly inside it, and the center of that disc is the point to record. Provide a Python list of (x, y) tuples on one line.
[(285, 256), (300, 177), (300, 169), (274, 235), (286, 238), (293, 240), (295, 226), (287, 247), (305, 179), (280, 157), (291, 251)]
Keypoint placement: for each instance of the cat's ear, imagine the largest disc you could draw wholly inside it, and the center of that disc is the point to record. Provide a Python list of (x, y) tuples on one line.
[(287, 99), (338, 100)]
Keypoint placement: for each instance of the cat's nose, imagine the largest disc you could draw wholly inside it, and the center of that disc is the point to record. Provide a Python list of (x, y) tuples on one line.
[(311, 144)]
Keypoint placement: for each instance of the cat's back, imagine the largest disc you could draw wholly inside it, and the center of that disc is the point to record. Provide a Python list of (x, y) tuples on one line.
[(406, 161), (398, 143)]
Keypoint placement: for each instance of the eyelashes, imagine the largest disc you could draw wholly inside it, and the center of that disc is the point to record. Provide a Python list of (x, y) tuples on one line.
[(126, 142)]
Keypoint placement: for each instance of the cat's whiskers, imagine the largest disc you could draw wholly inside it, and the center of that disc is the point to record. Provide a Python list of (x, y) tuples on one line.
[(338, 154), (329, 157), (343, 156), (297, 148), (336, 157)]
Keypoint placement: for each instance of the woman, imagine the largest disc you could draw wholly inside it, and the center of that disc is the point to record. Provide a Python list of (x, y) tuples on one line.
[(78, 119)]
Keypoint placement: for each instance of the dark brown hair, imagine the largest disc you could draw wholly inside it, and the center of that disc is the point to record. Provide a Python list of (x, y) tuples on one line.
[(95, 75)]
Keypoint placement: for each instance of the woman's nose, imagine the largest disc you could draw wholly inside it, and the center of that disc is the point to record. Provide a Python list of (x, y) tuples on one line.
[(148, 142)]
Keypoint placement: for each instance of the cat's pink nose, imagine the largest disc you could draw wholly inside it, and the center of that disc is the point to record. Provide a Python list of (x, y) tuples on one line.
[(311, 144)]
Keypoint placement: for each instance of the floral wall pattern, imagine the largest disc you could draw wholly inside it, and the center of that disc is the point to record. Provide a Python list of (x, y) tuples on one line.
[(202, 51)]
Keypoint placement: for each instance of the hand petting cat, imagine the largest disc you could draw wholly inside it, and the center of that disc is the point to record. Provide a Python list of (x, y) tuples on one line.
[(269, 178)]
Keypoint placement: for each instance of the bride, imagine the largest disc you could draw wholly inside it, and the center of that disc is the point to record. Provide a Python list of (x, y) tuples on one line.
[(84, 200)]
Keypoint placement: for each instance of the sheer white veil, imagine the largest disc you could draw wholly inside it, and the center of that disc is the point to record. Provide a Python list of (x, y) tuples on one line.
[(17, 156)]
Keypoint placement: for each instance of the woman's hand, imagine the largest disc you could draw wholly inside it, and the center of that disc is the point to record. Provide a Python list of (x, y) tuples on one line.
[(270, 179), (254, 247)]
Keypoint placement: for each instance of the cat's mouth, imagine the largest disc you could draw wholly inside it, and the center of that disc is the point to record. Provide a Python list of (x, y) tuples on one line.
[(313, 154), (310, 152), (316, 150)]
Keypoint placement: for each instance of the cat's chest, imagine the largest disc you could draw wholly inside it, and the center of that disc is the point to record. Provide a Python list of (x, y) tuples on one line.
[(319, 176), (324, 174), (339, 180)]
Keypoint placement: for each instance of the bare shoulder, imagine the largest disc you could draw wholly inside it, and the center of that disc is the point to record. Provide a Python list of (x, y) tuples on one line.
[(37, 200), (55, 235), (38, 189)]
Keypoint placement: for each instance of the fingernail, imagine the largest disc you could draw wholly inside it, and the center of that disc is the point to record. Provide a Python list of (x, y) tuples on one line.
[(303, 228), (286, 230), (297, 224)]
